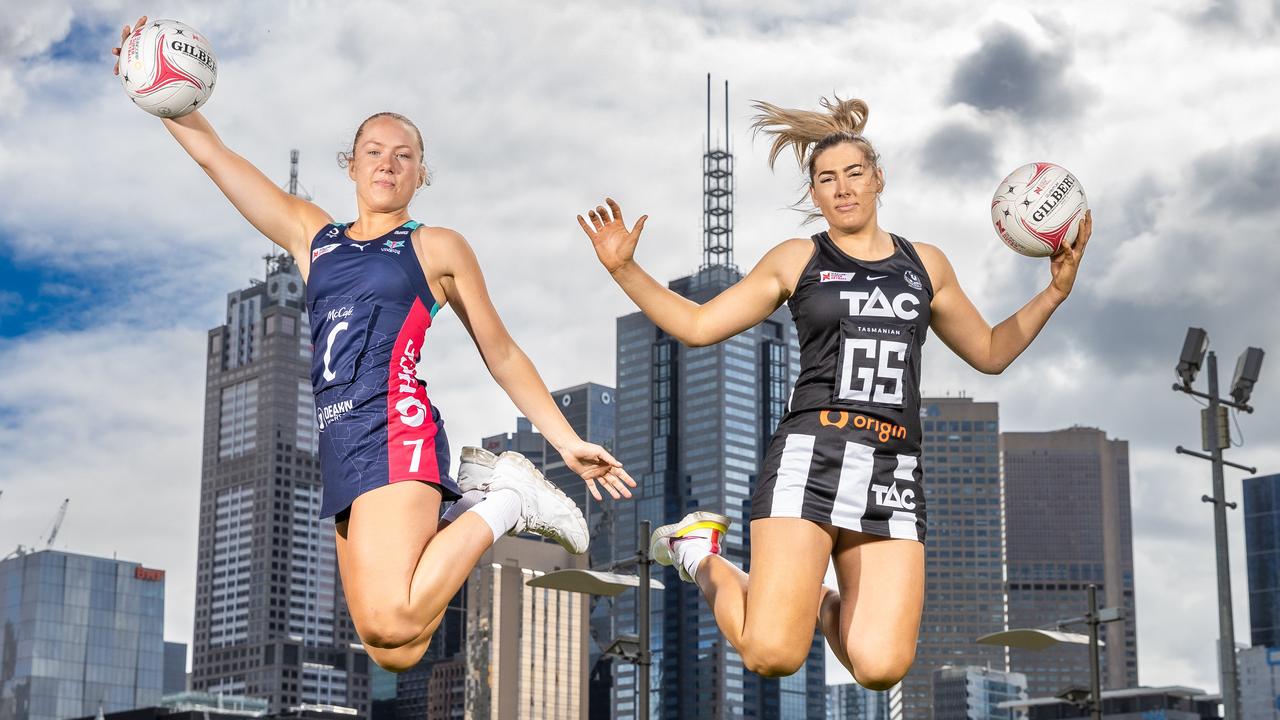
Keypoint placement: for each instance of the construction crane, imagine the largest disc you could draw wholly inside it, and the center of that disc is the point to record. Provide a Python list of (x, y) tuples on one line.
[(57, 522)]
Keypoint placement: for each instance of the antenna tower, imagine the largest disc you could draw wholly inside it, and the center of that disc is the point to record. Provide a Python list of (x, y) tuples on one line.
[(717, 194)]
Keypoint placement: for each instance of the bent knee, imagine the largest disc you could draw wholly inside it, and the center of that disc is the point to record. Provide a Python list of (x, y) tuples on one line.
[(397, 660), (881, 671), (775, 659), (386, 629)]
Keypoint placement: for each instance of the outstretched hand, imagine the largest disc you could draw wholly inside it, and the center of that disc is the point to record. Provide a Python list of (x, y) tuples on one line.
[(598, 468), (1064, 263), (124, 35), (614, 243)]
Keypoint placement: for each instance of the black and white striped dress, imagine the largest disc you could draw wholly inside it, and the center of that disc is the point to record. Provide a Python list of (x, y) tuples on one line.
[(848, 451)]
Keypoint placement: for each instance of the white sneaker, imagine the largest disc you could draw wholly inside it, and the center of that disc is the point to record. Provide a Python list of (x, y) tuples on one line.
[(544, 509), (475, 468), (699, 527)]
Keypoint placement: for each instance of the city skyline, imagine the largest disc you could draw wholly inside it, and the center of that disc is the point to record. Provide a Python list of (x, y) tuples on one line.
[(104, 306)]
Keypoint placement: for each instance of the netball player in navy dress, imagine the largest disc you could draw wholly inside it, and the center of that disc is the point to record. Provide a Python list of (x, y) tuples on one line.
[(374, 286), (842, 477)]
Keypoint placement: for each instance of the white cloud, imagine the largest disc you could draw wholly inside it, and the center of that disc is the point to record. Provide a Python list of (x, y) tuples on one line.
[(533, 113)]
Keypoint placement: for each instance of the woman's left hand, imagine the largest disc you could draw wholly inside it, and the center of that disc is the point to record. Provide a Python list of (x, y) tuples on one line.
[(1066, 261), (597, 466)]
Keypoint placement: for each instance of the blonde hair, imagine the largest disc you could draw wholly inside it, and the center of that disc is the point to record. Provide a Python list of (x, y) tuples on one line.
[(346, 157), (808, 133)]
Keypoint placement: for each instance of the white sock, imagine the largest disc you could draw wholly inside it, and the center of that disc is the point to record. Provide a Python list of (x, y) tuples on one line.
[(461, 505), (500, 509), (690, 552)]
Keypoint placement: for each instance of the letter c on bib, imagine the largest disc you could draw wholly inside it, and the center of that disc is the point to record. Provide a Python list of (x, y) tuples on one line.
[(328, 351)]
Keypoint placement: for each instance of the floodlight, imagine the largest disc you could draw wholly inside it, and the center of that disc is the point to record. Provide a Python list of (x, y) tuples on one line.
[(1247, 368), (1193, 350)]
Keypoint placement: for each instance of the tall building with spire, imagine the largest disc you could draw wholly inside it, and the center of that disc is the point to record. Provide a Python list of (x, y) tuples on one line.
[(692, 428), (271, 620)]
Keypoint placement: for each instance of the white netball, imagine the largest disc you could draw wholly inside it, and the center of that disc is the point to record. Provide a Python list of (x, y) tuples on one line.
[(168, 68), (1038, 208)]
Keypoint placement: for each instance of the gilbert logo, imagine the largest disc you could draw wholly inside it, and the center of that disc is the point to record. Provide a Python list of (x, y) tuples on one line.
[(888, 496), (833, 276)]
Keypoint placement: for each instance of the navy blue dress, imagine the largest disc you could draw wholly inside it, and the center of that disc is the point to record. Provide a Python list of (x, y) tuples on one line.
[(370, 308)]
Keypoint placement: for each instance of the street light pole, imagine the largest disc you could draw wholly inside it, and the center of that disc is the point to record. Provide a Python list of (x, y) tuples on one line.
[(1095, 680), (1226, 624), (642, 621)]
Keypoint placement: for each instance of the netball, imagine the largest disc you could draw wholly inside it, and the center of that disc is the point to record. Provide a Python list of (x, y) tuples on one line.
[(1037, 209), (168, 68)]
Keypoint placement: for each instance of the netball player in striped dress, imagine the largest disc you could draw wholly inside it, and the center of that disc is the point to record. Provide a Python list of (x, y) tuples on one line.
[(374, 286), (842, 477)]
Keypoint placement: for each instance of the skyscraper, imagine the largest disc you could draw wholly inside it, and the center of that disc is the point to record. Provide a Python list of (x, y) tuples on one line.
[(526, 647), (80, 634), (1262, 557), (692, 427), (271, 620), (1068, 524), (964, 565)]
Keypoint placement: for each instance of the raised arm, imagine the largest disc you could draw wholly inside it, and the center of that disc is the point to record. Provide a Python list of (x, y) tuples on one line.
[(465, 291), (744, 305), (286, 220), (959, 324)]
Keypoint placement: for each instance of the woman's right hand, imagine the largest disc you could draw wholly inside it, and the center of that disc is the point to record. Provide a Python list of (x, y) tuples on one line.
[(124, 35), (614, 243)]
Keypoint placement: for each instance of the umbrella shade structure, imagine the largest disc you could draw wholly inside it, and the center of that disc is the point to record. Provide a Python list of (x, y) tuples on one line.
[(1029, 639), (592, 582)]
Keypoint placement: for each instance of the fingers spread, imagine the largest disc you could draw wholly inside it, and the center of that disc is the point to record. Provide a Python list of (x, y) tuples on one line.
[(586, 228), (617, 211)]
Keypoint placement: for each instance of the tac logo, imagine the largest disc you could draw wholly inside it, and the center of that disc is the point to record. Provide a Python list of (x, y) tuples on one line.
[(392, 246), (877, 304), (833, 276), (315, 254), (913, 280), (888, 496)]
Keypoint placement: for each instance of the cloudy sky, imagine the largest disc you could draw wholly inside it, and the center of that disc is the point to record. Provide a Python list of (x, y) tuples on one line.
[(116, 252)]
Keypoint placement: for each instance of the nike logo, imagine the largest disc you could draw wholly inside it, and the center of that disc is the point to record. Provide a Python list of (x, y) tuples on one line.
[(876, 277)]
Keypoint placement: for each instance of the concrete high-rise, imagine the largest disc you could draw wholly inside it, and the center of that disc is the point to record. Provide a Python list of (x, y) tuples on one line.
[(526, 647), (851, 701), (964, 693), (80, 634), (271, 620), (1262, 557), (1068, 525), (964, 564)]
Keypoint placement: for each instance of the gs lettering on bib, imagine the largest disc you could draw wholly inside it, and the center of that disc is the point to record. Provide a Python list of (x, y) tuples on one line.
[(874, 363)]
